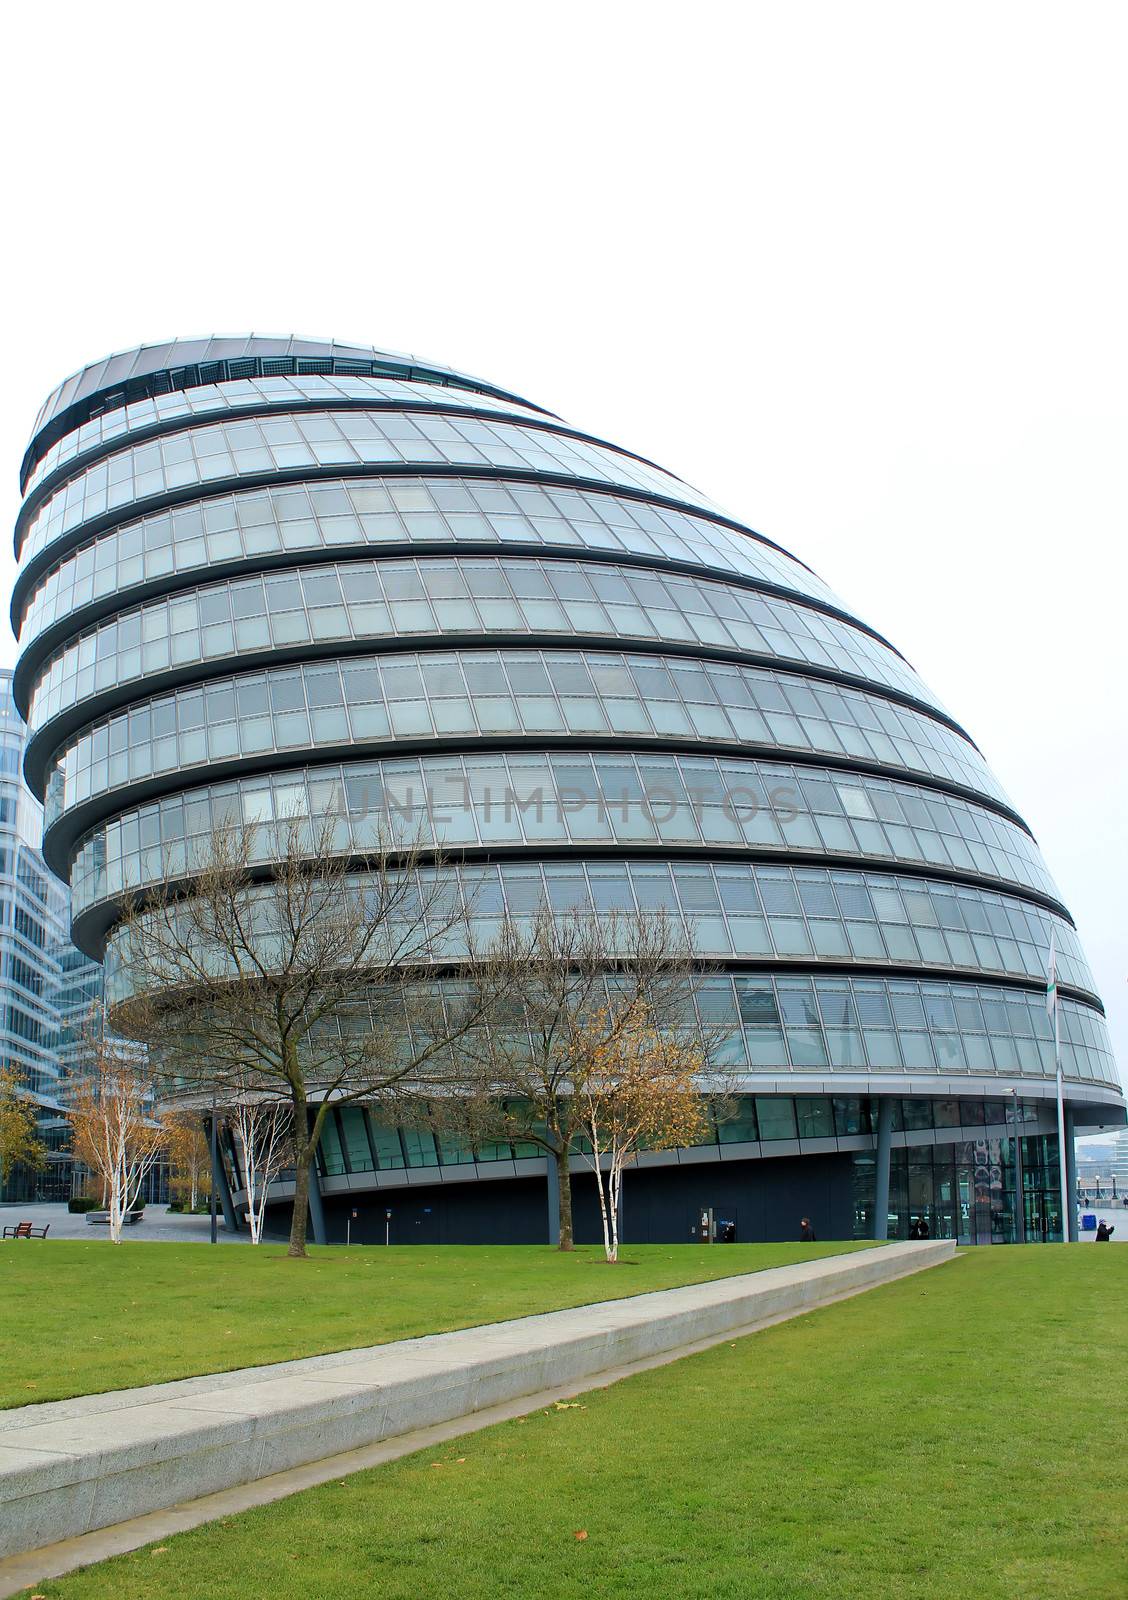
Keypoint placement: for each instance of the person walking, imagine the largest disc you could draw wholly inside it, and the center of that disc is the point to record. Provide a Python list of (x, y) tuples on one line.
[(806, 1232)]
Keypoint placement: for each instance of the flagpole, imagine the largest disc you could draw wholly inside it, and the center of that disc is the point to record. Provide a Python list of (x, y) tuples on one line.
[(1063, 1174), (1063, 1169)]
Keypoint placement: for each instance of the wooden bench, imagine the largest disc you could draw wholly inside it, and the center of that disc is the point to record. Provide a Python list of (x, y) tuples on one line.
[(25, 1230)]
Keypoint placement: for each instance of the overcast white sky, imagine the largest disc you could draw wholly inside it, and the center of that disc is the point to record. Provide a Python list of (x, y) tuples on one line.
[(856, 270)]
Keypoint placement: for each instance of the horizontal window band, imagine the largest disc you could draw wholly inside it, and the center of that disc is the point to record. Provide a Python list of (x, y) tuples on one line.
[(79, 464), (63, 834), (460, 401), (82, 618), (97, 924), (146, 387), (51, 556), (96, 920), (49, 738)]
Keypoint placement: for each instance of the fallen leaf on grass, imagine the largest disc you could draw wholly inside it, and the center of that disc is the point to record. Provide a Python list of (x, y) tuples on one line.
[(569, 1405), (581, 1534), (158, 1550)]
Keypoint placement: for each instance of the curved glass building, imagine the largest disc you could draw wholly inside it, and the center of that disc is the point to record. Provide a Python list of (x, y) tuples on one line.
[(259, 575)]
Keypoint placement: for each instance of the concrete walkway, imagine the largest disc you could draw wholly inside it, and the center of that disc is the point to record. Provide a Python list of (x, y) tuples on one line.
[(159, 1224), (71, 1466)]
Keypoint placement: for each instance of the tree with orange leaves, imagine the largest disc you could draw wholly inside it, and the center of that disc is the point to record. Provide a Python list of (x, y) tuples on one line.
[(640, 1088), (189, 1158), (115, 1132)]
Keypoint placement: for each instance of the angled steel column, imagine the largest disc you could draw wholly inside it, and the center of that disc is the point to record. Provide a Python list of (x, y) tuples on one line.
[(881, 1167), (221, 1189), (316, 1209)]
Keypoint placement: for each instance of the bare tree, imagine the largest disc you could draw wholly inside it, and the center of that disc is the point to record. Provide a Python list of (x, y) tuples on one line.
[(19, 1135), (298, 977), (557, 986), (262, 1130), (115, 1132), (641, 1088)]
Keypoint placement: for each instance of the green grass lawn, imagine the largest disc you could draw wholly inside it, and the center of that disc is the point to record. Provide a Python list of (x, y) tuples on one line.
[(79, 1318), (960, 1433)]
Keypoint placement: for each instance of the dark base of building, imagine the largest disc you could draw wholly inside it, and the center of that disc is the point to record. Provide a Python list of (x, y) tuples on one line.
[(763, 1200), (962, 1191)]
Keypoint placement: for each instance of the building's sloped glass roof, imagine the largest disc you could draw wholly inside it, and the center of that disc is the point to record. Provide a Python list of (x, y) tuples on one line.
[(160, 412), (145, 359)]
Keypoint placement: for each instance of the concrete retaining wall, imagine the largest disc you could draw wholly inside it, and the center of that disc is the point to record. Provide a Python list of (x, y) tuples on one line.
[(74, 1465)]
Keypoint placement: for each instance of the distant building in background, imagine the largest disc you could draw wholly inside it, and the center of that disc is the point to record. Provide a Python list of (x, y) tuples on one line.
[(50, 991), (1119, 1165), (34, 940)]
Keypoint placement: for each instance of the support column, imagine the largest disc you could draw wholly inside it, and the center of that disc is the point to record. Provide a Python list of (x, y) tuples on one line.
[(1019, 1188), (223, 1188), (552, 1168), (316, 1209), (881, 1167), (1071, 1176)]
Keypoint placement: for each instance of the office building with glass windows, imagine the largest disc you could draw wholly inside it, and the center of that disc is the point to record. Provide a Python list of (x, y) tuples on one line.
[(33, 941), (266, 575)]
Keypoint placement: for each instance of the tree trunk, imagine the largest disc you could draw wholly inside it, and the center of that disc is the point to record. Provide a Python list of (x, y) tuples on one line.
[(116, 1202), (614, 1185), (604, 1210), (304, 1154), (305, 1148), (564, 1181)]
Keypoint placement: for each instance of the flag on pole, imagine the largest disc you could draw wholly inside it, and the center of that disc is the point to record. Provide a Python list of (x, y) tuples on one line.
[(1051, 976)]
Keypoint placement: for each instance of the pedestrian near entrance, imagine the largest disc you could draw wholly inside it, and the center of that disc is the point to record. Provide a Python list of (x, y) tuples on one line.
[(1104, 1232), (806, 1232)]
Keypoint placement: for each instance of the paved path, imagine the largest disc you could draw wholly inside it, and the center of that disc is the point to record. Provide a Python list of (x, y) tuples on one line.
[(159, 1224), (1115, 1215), (72, 1466)]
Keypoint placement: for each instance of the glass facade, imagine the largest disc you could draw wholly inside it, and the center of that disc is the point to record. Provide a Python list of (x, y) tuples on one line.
[(266, 579), (266, 525), (162, 413), (33, 941), (365, 600), (491, 800), (963, 1187), (477, 694)]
